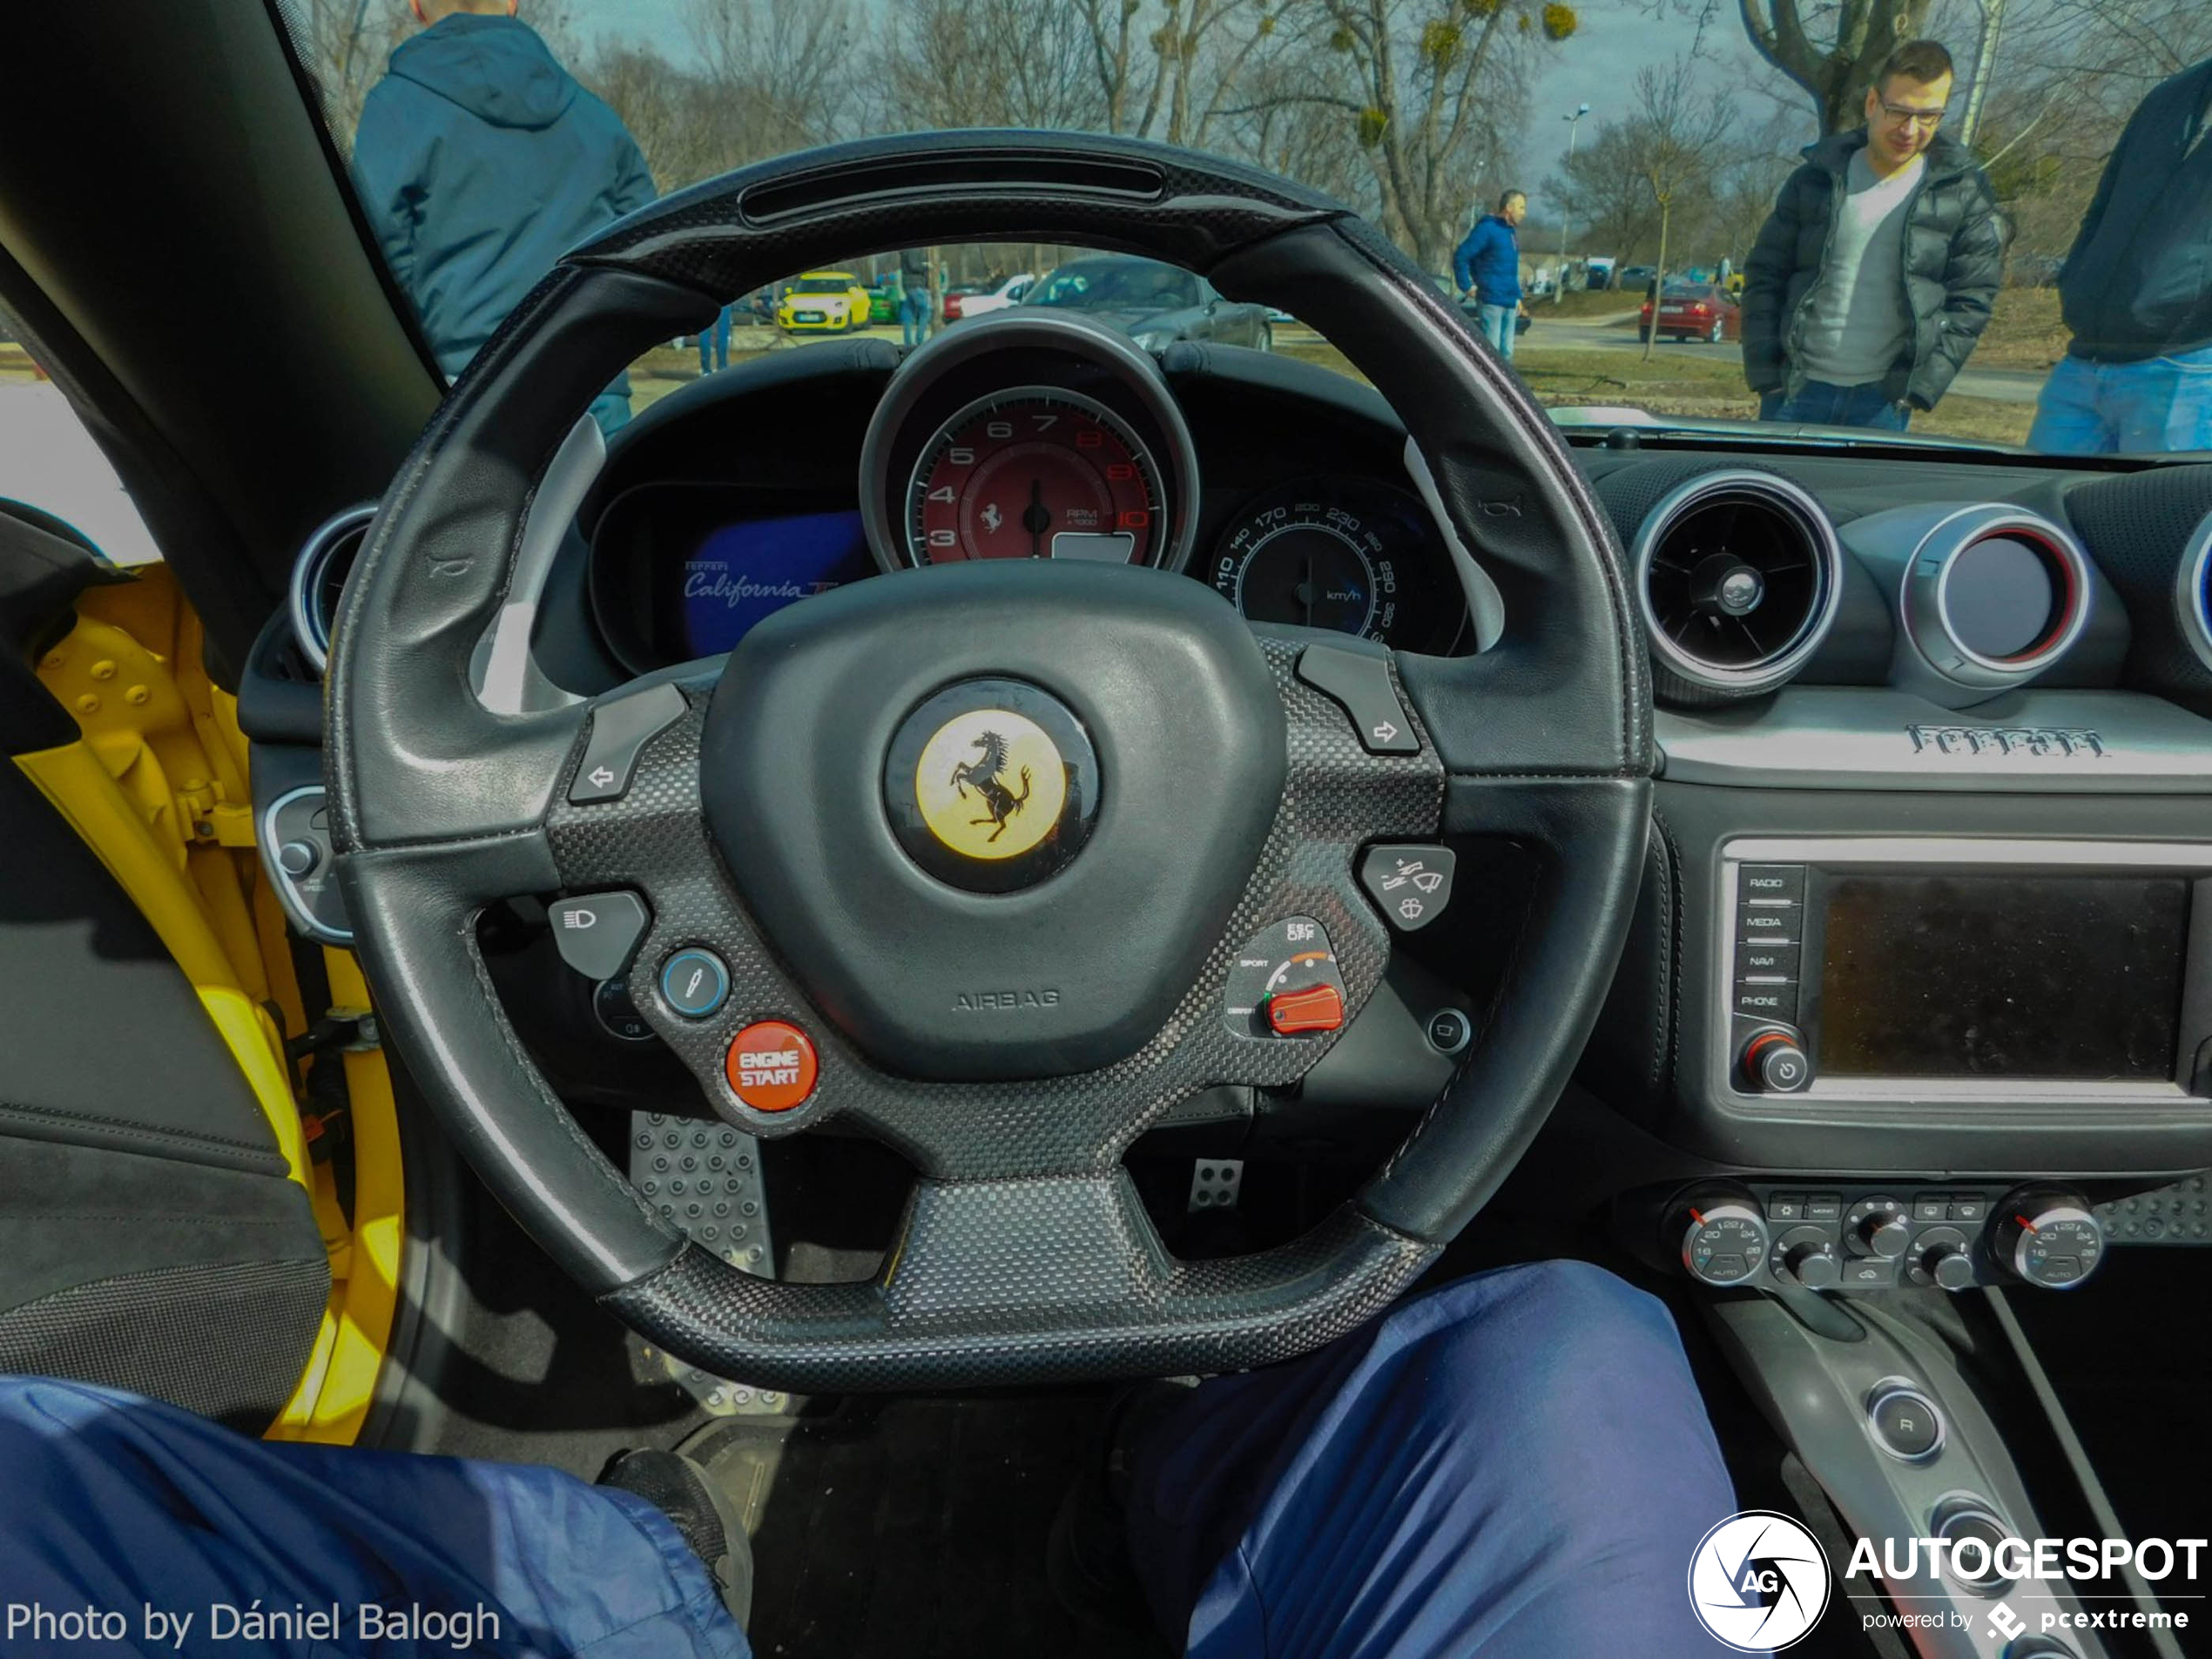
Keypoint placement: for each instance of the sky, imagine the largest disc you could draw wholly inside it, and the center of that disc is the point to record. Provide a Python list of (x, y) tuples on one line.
[(1597, 67)]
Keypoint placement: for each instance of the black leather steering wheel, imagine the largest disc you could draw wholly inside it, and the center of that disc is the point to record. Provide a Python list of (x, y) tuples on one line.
[(1230, 793)]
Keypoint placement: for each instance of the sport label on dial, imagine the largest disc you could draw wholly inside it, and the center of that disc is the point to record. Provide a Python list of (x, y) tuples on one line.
[(772, 1066), (1280, 961)]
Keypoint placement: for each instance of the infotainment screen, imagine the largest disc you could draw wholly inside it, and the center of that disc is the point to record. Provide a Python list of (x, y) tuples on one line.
[(2010, 976)]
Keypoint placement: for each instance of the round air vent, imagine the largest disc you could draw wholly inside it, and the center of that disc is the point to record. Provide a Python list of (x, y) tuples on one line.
[(2192, 602), (1993, 597), (319, 576), (1739, 575)]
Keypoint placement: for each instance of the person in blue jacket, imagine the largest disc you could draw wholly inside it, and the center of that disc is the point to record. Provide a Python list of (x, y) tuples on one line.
[(479, 162), (2137, 377), (1489, 263)]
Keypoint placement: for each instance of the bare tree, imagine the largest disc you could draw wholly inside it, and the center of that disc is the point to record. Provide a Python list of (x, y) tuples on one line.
[(1833, 48), (983, 63), (1680, 131), (783, 67), (1430, 89)]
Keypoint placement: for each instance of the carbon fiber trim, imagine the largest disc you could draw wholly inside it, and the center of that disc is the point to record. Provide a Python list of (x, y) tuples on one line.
[(174, 1334), (1210, 1315), (1336, 798)]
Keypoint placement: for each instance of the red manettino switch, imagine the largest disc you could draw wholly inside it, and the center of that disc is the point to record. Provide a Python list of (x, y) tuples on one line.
[(1320, 1008)]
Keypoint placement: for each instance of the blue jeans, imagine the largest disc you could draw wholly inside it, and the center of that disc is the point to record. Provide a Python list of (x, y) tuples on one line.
[(716, 335), (1498, 327), (1821, 404), (2149, 407), (1516, 1465), (611, 410), (914, 319)]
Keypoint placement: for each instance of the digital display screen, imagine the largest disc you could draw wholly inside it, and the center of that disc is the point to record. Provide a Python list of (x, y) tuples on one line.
[(2002, 976), (739, 574)]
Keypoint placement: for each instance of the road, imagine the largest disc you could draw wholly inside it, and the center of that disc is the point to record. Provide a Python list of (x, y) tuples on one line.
[(1617, 333)]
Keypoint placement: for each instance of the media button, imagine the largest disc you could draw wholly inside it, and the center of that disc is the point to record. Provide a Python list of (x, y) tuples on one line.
[(1775, 922), (1771, 882)]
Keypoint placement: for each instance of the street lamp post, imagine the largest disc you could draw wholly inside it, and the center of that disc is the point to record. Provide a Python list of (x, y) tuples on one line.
[(1573, 125)]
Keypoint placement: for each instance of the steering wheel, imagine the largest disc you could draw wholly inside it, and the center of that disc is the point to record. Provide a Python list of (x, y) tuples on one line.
[(1009, 1043)]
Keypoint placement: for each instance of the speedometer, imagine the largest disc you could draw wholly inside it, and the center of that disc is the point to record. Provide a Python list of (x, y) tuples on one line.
[(1346, 554), (1035, 473)]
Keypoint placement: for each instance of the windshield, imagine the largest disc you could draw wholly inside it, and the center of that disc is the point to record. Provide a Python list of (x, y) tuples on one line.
[(1977, 223)]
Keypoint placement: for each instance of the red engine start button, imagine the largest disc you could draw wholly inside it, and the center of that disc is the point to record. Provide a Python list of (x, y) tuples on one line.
[(772, 1066)]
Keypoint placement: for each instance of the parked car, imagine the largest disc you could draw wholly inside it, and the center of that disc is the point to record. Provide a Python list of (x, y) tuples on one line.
[(1155, 304), (1636, 279), (980, 301), (883, 302), (1696, 311), (824, 302)]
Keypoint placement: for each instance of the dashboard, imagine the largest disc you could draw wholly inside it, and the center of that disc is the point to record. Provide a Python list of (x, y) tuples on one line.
[(1015, 436), (1929, 886)]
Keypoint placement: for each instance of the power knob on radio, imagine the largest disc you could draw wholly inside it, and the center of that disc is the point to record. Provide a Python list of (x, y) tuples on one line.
[(1774, 1063)]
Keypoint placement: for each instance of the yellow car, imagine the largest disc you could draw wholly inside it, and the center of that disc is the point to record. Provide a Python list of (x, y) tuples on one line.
[(828, 302)]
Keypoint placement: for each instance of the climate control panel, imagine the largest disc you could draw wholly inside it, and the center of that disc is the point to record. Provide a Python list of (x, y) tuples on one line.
[(1853, 1236)]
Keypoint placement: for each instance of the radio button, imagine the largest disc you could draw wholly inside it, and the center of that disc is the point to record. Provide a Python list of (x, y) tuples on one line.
[(1758, 960), (1771, 882), (1766, 1001)]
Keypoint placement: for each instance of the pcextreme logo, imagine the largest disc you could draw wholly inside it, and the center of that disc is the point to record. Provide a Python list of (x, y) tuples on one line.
[(1758, 1581)]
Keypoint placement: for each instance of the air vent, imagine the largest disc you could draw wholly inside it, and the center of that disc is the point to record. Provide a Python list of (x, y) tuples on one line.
[(318, 577), (1738, 574), (2192, 598), (1993, 597)]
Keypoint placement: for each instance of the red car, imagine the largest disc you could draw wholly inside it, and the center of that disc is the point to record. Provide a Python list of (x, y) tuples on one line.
[(954, 296), (1696, 311)]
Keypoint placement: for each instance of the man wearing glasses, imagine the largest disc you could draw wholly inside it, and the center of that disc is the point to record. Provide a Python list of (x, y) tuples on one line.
[(2136, 292), (1873, 276)]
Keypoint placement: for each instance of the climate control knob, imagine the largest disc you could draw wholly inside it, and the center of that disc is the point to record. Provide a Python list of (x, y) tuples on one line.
[(1721, 1232), (1776, 1063), (1877, 1227), (2049, 1236), (1807, 1258), (1943, 1257)]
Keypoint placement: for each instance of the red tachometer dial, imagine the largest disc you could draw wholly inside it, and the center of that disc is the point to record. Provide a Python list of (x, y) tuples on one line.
[(1034, 474)]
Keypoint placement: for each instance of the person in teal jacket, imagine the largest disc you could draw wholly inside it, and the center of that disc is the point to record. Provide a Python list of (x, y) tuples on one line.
[(479, 162)]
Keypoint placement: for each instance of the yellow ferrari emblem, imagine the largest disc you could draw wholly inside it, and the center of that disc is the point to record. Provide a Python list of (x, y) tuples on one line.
[(990, 784)]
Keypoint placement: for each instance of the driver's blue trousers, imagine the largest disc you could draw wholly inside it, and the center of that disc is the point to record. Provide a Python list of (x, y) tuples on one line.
[(1514, 1466)]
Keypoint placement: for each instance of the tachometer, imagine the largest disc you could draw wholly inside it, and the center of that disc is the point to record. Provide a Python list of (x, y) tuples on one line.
[(1036, 472)]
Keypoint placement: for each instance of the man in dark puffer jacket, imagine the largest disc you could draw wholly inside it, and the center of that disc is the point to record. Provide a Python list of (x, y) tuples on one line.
[(2136, 291), (1873, 278)]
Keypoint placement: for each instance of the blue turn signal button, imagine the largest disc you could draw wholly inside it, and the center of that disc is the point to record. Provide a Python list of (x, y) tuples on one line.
[(694, 983)]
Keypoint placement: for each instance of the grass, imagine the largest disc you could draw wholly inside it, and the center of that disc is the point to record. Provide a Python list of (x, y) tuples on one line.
[(1678, 381)]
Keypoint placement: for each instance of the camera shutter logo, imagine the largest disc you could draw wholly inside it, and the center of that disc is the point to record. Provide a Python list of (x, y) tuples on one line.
[(1758, 1581)]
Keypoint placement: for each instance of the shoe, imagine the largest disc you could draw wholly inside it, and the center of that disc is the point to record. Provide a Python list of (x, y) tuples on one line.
[(1087, 1558), (702, 1514)]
